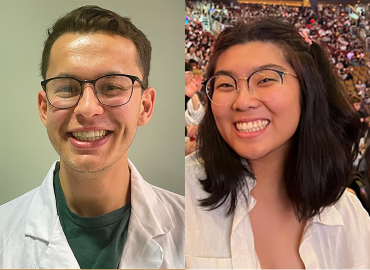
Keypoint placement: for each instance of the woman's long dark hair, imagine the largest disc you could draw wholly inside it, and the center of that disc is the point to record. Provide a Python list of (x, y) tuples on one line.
[(324, 145)]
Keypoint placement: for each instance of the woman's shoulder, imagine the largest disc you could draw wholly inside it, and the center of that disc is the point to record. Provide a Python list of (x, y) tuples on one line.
[(348, 223), (353, 216), (349, 204), (194, 172), (194, 166)]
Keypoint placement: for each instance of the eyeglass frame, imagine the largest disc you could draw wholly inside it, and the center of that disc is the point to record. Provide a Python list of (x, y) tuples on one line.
[(82, 82), (281, 74)]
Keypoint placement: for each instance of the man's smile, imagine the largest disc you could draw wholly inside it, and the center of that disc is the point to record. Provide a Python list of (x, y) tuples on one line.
[(92, 135)]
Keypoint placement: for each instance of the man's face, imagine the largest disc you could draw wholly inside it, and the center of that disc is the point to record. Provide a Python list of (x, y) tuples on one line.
[(87, 57)]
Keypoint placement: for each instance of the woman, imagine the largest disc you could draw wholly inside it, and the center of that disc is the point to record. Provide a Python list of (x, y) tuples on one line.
[(267, 187)]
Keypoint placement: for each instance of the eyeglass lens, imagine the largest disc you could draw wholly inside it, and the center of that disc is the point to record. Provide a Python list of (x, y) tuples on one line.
[(110, 90), (263, 84)]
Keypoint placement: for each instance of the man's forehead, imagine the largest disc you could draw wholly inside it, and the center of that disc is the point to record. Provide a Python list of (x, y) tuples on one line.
[(93, 49), (97, 40)]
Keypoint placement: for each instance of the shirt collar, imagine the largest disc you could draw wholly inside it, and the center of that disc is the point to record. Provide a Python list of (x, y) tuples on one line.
[(42, 215), (329, 216)]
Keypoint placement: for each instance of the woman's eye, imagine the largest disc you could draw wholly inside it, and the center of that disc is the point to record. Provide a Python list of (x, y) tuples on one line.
[(225, 86), (266, 81)]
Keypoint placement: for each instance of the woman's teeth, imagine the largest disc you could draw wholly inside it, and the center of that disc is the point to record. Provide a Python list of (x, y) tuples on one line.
[(92, 135), (252, 126)]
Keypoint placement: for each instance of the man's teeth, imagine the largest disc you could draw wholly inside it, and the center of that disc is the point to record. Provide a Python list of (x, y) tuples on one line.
[(92, 135), (252, 126)]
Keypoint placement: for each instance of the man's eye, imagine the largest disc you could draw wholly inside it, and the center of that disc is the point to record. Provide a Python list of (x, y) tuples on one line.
[(113, 87), (65, 89)]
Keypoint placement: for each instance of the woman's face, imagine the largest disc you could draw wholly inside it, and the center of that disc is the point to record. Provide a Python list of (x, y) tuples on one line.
[(281, 114)]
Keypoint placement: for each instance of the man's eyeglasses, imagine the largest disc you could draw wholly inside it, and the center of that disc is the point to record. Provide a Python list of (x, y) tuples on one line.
[(223, 89), (111, 90)]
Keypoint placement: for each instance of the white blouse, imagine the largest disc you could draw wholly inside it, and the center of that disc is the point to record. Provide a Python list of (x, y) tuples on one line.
[(338, 238)]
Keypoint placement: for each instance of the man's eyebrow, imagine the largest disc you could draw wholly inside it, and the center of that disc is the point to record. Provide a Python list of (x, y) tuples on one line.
[(253, 69), (65, 74)]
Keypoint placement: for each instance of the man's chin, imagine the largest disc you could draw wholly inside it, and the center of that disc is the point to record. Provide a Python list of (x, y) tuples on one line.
[(87, 167)]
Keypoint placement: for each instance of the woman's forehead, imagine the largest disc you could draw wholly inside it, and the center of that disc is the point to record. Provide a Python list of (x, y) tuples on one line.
[(242, 59)]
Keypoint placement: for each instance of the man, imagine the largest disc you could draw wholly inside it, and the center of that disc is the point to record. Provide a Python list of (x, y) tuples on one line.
[(94, 210)]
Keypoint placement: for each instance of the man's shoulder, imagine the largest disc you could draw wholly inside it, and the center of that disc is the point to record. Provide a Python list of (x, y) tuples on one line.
[(14, 216), (17, 207), (167, 198), (170, 199)]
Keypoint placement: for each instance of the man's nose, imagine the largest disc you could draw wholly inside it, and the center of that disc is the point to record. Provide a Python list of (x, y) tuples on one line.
[(88, 105)]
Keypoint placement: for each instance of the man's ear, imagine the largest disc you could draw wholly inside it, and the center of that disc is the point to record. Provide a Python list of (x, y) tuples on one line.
[(147, 105), (43, 106)]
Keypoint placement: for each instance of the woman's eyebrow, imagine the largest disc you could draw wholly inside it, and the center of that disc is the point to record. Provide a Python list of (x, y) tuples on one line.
[(253, 69), (224, 72), (268, 66)]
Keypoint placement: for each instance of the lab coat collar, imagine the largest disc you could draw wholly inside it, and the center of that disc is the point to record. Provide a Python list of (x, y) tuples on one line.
[(149, 218), (43, 224), (148, 207), (43, 210)]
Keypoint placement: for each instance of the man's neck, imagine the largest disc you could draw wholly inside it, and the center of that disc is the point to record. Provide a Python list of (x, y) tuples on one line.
[(99, 193)]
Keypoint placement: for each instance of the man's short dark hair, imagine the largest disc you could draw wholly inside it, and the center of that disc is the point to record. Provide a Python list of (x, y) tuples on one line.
[(94, 19)]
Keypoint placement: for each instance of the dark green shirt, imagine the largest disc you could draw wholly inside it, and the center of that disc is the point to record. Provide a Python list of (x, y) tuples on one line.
[(96, 242)]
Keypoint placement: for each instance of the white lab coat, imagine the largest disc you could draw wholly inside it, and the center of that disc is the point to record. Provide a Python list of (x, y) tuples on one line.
[(31, 235), (337, 239)]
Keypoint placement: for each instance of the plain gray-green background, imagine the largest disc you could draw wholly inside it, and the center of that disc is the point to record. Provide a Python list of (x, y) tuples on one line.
[(26, 153)]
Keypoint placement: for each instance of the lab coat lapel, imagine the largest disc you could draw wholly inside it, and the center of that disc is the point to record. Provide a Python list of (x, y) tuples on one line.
[(149, 219), (43, 224), (58, 254), (140, 250)]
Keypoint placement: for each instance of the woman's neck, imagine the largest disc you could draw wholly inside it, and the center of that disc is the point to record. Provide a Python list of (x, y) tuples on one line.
[(269, 173)]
